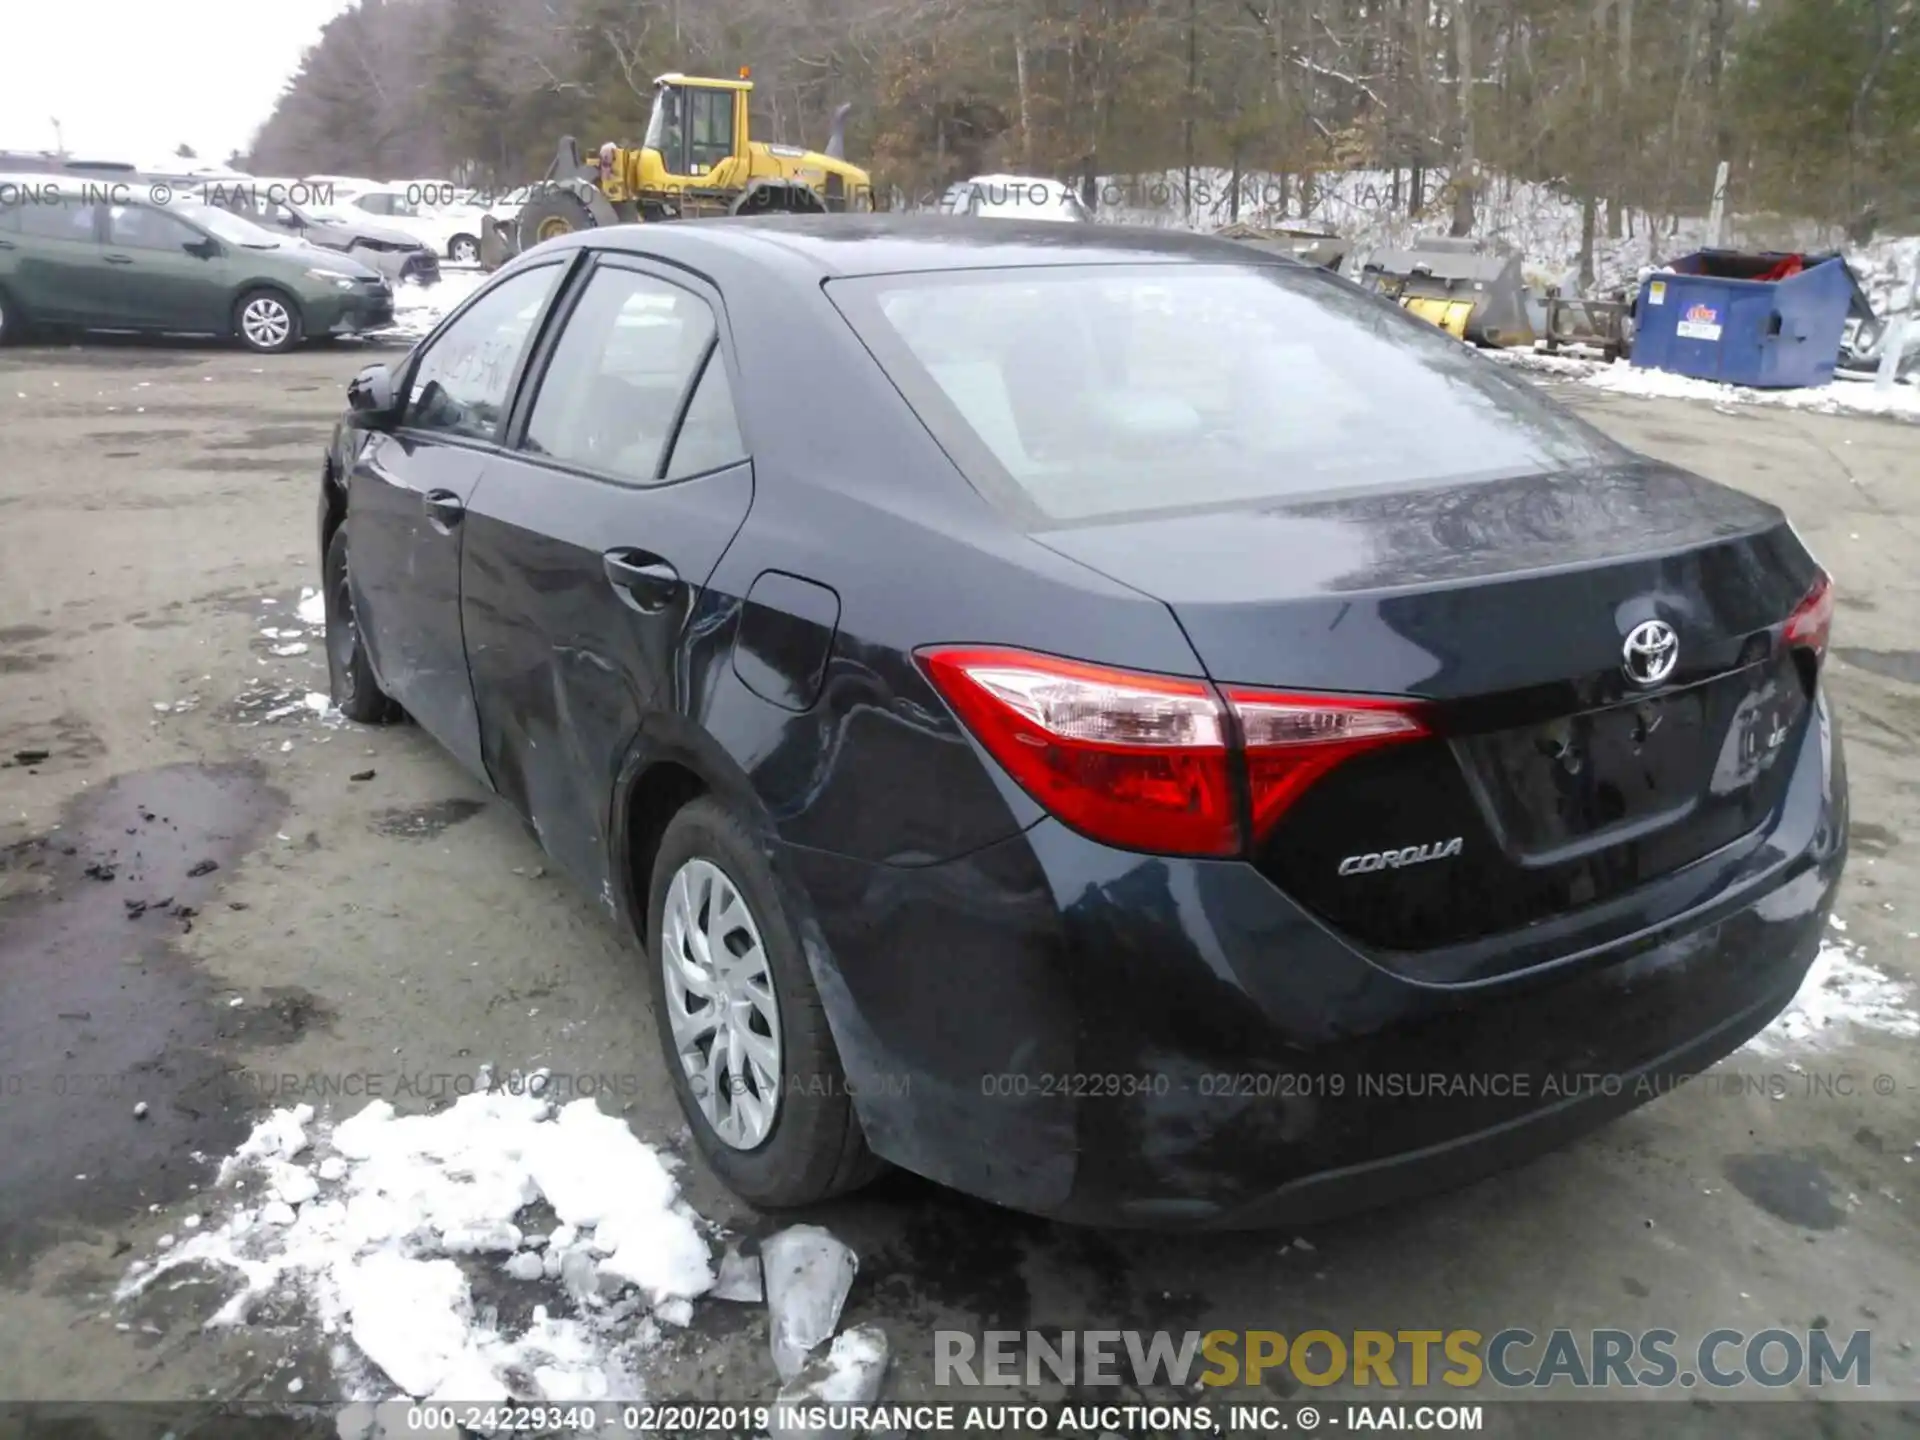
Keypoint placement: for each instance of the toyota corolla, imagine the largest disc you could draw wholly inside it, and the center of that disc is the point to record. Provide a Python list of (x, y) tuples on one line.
[(1132, 728)]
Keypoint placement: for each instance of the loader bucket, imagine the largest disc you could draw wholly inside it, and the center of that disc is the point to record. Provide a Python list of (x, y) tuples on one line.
[(1314, 247), (1457, 285), (498, 243)]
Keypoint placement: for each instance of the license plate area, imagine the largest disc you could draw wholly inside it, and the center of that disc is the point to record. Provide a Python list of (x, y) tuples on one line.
[(1637, 768)]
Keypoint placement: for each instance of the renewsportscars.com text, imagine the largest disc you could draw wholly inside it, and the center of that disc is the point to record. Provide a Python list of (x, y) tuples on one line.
[(1512, 1358)]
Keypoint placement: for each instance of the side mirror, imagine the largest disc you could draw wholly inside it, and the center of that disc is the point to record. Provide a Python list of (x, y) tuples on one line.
[(370, 398), (206, 247)]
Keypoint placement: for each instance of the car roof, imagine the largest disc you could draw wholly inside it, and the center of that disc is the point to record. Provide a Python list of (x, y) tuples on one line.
[(848, 245)]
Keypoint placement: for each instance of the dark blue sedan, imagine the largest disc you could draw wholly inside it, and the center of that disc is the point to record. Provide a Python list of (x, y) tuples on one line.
[(1123, 724)]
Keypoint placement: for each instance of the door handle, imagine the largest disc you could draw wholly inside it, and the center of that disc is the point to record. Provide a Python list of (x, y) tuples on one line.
[(119, 259), (645, 581), (444, 509)]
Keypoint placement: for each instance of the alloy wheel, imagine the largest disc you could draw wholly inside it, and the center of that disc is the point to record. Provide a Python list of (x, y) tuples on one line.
[(465, 251), (721, 1004), (266, 323)]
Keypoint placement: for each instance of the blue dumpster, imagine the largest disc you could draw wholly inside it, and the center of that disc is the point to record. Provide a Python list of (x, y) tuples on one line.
[(1770, 320)]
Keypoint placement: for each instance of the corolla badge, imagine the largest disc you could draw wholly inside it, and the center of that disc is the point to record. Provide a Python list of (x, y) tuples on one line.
[(1394, 859), (1651, 652)]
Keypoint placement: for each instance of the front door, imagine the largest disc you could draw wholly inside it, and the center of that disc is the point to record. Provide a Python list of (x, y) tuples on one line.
[(407, 498), (157, 282), (589, 544)]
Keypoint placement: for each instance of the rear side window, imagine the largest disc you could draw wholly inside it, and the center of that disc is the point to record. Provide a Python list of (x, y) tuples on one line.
[(51, 219), (620, 375), (460, 385), (709, 437), (1087, 392)]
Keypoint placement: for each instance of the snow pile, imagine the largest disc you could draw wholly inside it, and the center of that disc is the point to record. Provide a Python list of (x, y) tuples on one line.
[(1539, 222), (1841, 993), (362, 1228), (418, 308), (1885, 271), (1840, 397)]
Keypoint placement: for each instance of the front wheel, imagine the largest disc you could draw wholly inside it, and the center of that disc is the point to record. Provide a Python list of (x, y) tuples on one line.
[(464, 250), (356, 694), (551, 214), (267, 322), (745, 1036)]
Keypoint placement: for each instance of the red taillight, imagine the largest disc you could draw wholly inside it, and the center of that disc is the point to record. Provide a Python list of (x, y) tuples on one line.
[(1292, 740), (1139, 761), (1142, 761), (1812, 618)]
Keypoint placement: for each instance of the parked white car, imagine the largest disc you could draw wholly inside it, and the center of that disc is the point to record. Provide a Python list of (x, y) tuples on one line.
[(1015, 197), (341, 186), (435, 194), (454, 233)]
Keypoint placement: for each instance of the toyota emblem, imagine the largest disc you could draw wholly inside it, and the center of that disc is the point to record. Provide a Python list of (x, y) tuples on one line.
[(1651, 652)]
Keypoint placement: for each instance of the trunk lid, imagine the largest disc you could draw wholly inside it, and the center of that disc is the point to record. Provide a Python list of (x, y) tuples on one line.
[(1506, 605)]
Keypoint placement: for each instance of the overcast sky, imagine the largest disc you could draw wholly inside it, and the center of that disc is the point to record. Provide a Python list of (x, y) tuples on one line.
[(133, 79)]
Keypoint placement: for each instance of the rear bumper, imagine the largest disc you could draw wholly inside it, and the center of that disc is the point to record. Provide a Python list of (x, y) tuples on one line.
[(1126, 1040)]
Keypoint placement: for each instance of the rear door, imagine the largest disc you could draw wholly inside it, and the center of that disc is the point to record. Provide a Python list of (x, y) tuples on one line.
[(59, 264), (590, 542), (408, 494)]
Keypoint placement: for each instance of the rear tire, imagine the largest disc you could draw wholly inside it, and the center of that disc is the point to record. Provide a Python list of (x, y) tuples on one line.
[(267, 322), (811, 1148), (550, 214), (13, 324), (356, 693), (463, 250)]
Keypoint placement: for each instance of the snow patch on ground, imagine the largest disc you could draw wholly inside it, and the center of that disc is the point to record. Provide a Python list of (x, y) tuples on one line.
[(360, 1226), (1840, 397), (1841, 994), (418, 308), (312, 608)]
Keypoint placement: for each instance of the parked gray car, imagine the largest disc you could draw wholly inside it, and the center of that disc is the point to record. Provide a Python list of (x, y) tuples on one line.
[(398, 256)]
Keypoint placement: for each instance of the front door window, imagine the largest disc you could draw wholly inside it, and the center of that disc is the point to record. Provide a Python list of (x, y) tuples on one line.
[(712, 129)]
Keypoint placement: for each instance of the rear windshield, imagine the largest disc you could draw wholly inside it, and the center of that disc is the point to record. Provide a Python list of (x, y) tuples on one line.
[(1088, 392)]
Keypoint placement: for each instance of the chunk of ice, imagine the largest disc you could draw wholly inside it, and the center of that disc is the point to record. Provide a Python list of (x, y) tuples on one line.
[(807, 1273)]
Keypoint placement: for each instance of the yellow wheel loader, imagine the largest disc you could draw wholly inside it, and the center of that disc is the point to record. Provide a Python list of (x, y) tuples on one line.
[(697, 159)]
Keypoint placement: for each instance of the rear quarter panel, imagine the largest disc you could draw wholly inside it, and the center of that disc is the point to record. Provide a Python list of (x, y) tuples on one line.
[(852, 494)]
